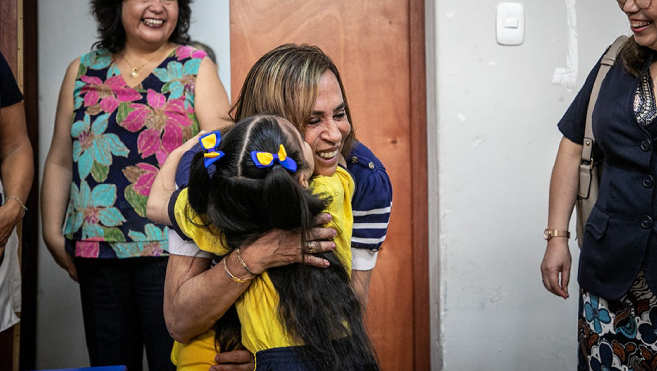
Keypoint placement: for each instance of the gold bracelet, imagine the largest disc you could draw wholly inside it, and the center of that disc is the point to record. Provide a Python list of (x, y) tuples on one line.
[(239, 257), (19, 201), (236, 279)]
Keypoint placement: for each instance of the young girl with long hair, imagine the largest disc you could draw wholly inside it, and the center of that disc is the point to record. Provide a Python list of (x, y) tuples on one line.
[(296, 317)]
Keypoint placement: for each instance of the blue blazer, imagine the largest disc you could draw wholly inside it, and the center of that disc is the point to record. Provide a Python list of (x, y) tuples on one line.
[(620, 235)]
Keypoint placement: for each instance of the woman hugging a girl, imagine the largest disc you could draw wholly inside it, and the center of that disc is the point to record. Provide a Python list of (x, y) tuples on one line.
[(256, 178)]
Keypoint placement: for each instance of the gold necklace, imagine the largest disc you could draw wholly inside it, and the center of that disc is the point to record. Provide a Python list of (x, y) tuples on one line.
[(134, 71)]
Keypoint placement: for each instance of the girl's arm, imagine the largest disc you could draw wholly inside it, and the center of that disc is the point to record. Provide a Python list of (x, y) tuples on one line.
[(563, 193), (164, 183), (57, 175)]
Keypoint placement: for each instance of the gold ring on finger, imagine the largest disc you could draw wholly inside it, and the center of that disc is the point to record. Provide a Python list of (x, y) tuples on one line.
[(310, 247)]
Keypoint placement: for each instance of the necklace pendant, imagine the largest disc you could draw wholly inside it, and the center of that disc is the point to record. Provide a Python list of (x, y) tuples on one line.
[(134, 72)]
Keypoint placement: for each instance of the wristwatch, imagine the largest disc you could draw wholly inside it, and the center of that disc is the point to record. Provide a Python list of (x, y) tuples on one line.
[(548, 233)]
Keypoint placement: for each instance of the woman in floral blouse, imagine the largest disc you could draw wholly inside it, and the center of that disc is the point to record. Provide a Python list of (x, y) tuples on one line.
[(123, 107)]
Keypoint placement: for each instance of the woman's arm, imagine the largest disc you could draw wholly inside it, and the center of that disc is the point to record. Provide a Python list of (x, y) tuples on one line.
[(210, 99), (190, 287), (57, 174), (372, 204), (16, 168), (191, 284), (563, 193), (360, 280)]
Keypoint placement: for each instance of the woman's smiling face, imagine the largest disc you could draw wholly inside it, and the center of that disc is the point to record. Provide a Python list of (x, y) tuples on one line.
[(328, 125), (642, 15), (149, 21)]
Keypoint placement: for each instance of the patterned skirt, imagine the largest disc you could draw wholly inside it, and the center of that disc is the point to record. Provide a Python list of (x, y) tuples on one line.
[(618, 335)]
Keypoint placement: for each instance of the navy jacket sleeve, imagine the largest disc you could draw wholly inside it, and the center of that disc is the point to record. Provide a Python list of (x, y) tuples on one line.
[(573, 123), (372, 200), (185, 165)]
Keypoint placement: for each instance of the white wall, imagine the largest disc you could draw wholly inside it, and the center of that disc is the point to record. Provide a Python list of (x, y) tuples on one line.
[(494, 114), (66, 30)]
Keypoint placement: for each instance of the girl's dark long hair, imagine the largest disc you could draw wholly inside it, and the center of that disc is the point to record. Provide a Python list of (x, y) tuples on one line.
[(317, 306)]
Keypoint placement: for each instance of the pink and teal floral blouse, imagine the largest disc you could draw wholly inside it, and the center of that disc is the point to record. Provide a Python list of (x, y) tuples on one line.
[(121, 136)]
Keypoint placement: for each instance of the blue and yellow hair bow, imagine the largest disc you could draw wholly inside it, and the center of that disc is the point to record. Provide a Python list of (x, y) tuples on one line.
[(266, 159), (210, 142)]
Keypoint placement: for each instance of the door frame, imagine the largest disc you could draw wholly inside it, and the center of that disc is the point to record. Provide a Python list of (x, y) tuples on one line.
[(419, 191), (31, 221)]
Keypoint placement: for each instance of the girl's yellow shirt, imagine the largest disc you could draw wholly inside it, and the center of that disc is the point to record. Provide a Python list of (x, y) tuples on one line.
[(257, 307)]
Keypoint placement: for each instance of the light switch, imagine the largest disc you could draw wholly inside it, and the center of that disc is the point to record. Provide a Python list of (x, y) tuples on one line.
[(510, 24)]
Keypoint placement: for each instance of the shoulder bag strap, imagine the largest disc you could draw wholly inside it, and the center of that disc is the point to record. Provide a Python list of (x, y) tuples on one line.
[(605, 64), (587, 163)]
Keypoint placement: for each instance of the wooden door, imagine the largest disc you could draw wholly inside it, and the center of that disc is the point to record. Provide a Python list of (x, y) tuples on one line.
[(378, 46)]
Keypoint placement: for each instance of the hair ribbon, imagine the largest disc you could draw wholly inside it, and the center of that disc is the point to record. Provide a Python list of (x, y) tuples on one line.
[(266, 159), (210, 142)]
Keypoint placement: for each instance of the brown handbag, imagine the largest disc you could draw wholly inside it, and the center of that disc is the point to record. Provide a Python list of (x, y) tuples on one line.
[(592, 163)]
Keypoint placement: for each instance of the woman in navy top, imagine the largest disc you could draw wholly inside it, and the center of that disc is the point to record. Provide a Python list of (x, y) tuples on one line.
[(301, 83), (618, 260)]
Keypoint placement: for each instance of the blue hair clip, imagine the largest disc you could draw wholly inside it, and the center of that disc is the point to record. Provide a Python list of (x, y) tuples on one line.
[(266, 159), (210, 142)]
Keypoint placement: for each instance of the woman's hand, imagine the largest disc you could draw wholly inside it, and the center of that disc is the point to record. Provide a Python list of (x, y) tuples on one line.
[(278, 248), (10, 214), (557, 262), (237, 360), (57, 249), (555, 268)]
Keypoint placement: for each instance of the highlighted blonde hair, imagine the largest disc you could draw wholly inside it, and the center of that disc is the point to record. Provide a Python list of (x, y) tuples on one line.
[(285, 82)]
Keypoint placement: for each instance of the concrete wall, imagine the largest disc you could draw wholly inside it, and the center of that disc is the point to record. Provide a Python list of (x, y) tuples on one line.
[(66, 30), (493, 115)]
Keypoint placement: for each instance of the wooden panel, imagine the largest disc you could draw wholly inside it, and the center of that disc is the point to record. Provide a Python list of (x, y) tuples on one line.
[(9, 32), (370, 42)]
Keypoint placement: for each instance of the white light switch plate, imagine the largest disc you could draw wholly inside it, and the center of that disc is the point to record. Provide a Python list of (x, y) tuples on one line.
[(510, 24)]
